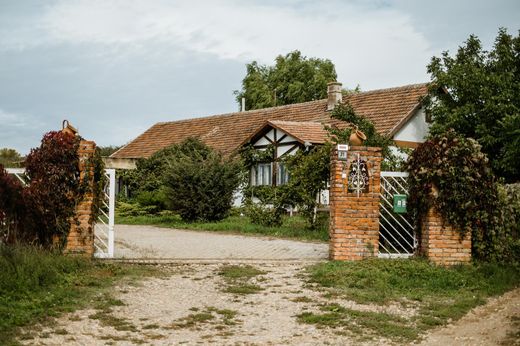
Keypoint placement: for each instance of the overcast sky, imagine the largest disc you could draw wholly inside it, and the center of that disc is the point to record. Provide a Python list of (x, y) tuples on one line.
[(116, 67)]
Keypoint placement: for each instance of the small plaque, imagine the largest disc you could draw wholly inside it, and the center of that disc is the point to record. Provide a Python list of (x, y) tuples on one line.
[(400, 204), (342, 152)]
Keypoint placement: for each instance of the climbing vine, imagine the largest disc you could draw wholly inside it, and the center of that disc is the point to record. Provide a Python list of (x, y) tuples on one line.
[(449, 172), (42, 211)]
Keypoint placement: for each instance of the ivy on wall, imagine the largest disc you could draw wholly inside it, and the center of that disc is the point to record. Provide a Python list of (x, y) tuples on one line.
[(42, 212), (450, 173)]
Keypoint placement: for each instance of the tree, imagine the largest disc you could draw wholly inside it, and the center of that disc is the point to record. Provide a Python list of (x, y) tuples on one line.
[(477, 93), (294, 78), (108, 150), (10, 157), (199, 184)]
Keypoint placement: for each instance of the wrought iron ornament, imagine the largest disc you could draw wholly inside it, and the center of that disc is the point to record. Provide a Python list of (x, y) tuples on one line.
[(358, 176)]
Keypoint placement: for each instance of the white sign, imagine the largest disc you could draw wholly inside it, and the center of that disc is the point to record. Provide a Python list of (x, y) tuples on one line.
[(342, 152)]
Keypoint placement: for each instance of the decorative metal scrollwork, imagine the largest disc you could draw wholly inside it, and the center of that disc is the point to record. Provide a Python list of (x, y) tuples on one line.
[(358, 176)]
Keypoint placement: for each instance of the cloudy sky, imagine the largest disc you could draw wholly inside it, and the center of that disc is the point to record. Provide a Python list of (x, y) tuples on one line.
[(116, 67)]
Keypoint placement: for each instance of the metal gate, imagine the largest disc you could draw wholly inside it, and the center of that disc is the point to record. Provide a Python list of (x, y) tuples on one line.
[(104, 227), (397, 236)]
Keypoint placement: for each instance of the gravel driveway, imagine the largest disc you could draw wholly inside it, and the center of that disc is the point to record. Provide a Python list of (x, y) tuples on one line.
[(166, 243)]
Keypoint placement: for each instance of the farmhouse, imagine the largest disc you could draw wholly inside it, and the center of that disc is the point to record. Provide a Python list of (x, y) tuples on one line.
[(396, 112)]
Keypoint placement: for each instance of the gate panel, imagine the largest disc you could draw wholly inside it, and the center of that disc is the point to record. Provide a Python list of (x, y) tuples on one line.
[(397, 236), (104, 227)]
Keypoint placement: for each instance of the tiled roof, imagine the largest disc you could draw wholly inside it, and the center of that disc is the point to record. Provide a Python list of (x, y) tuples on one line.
[(388, 109), (305, 131)]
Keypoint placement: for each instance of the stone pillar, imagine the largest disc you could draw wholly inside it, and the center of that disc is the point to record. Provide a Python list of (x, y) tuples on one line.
[(354, 219), (441, 243), (81, 235)]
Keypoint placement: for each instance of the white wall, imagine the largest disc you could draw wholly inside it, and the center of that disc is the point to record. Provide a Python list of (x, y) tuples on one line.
[(415, 130)]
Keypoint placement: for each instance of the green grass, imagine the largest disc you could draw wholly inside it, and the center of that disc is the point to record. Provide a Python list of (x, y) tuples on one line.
[(221, 317), (292, 227), (364, 324), (237, 279), (36, 285), (440, 294)]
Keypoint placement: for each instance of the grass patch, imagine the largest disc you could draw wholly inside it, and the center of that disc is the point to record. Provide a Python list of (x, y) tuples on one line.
[(36, 285), (302, 299), (440, 294), (292, 227), (242, 288), (361, 323), (237, 279), (222, 318), (235, 272)]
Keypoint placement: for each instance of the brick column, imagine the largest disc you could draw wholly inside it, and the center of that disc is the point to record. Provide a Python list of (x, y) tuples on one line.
[(441, 243), (81, 235), (354, 221)]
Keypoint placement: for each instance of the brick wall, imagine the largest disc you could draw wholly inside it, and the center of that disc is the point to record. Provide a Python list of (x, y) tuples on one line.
[(354, 221), (81, 235), (441, 243)]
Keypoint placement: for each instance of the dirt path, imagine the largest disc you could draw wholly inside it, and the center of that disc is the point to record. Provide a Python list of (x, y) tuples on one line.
[(488, 324), (193, 304)]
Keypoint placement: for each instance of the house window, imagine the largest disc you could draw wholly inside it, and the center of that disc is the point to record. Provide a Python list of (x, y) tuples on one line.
[(261, 174), (282, 175)]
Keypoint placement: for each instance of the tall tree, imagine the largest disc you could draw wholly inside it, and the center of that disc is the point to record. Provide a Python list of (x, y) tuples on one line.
[(10, 157), (294, 78), (477, 93)]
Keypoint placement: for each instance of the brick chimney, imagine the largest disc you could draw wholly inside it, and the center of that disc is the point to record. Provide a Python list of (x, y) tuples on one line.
[(334, 95)]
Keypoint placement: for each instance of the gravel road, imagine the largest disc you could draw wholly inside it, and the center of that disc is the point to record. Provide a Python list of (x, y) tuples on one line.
[(156, 242)]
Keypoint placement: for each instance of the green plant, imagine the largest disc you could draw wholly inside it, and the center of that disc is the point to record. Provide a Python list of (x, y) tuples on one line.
[(237, 279), (437, 294), (200, 183), (294, 78), (261, 214), (464, 189), (36, 284), (477, 93)]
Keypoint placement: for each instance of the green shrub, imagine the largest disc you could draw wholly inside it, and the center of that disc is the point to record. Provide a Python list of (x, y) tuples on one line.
[(263, 215), (135, 209), (467, 193), (156, 199), (199, 184), (509, 222)]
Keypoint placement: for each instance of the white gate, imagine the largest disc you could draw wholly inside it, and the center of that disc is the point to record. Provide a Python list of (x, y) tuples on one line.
[(19, 173), (397, 236), (104, 227)]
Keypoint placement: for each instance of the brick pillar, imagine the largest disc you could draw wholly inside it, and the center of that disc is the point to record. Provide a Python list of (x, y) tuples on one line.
[(441, 243), (81, 235), (354, 221)]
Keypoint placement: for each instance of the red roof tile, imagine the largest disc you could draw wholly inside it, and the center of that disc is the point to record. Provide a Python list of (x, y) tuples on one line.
[(388, 109)]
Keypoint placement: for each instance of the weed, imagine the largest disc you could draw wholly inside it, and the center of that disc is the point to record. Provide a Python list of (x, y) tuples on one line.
[(301, 299), (440, 294), (37, 284), (237, 278), (361, 323)]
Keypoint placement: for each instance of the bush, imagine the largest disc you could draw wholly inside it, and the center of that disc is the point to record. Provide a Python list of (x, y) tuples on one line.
[(510, 220), (467, 193), (199, 184), (42, 212), (262, 215), (12, 211)]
